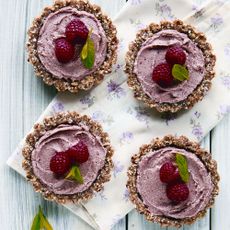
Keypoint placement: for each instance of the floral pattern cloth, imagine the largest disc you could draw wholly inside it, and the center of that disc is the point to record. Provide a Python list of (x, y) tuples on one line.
[(128, 122)]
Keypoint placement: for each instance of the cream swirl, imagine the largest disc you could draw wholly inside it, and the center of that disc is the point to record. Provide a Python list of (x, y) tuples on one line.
[(152, 53), (60, 139), (153, 192), (54, 28)]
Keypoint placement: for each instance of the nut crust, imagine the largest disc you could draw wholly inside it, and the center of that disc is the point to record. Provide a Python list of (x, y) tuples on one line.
[(197, 37), (181, 142), (89, 81), (50, 123)]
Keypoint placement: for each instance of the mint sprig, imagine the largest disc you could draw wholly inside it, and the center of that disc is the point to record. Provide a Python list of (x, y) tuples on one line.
[(75, 174), (180, 73), (182, 165), (40, 221), (88, 52)]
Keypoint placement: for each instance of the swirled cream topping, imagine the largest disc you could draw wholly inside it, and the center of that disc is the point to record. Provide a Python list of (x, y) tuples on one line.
[(152, 53), (53, 28), (153, 192), (61, 139)]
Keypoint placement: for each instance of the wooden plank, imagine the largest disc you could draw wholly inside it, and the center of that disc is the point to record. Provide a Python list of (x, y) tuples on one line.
[(220, 149), (23, 97)]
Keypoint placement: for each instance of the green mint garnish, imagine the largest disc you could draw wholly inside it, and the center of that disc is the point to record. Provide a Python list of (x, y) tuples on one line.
[(182, 165), (88, 52), (180, 73), (40, 222), (75, 175)]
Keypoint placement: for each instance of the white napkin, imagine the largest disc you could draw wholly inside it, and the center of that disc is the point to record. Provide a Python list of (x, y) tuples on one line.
[(128, 122)]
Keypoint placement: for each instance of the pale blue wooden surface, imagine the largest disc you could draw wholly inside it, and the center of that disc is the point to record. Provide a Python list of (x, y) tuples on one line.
[(23, 97)]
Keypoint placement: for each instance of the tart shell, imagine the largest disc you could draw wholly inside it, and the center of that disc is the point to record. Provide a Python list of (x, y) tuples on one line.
[(50, 123), (181, 142), (197, 37), (89, 81)]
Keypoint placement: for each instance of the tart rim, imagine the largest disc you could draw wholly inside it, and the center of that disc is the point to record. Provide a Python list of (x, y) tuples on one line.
[(50, 123), (198, 37), (181, 142), (90, 80)]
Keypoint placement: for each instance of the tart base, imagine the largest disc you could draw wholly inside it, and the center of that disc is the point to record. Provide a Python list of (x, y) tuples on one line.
[(89, 81), (50, 123), (197, 37), (182, 142)]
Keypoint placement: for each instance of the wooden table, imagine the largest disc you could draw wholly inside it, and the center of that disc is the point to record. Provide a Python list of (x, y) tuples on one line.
[(23, 97)]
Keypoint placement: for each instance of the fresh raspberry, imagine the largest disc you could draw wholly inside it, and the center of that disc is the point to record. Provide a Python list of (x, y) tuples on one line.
[(177, 192), (76, 32), (162, 75), (78, 153), (64, 50), (175, 55), (169, 172), (60, 163)]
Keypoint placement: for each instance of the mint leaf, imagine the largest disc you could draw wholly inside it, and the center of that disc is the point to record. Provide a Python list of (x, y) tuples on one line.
[(182, 165), (40, 222), (43, 221), (75, 174), (36, 223), (88, 52), (180, 73)]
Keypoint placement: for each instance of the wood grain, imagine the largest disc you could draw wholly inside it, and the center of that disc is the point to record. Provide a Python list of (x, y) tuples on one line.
[(23, 97)]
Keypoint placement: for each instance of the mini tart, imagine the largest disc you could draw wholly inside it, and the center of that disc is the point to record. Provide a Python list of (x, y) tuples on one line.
[(93, 78), (198, 38), (49, 124), (178, 142)]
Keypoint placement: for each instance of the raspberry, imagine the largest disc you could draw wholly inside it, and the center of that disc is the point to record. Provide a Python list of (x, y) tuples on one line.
[(177, 192), (64, 50), (60, 163), (162, 75), (175, 55), (169, 173), (76, 32), (79, 153)]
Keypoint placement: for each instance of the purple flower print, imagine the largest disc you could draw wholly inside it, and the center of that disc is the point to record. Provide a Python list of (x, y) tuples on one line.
[(168, 117), (118, 67), (198, 12), (126, 138), (102, 195), (126, 195), (88, 100), (118, 168), (135, 2), (57, 107), (226, 81), (195, 7), (115, 91), (223, 110), (227, 50), (216, 22), (197, 130), (101, 117), (163, 10), (137, 23), (140, 113), (197, 114)]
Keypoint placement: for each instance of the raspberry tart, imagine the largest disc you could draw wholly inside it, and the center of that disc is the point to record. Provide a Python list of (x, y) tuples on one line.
[(72, 45), (170, 66), (172, 181), (67, 157)]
